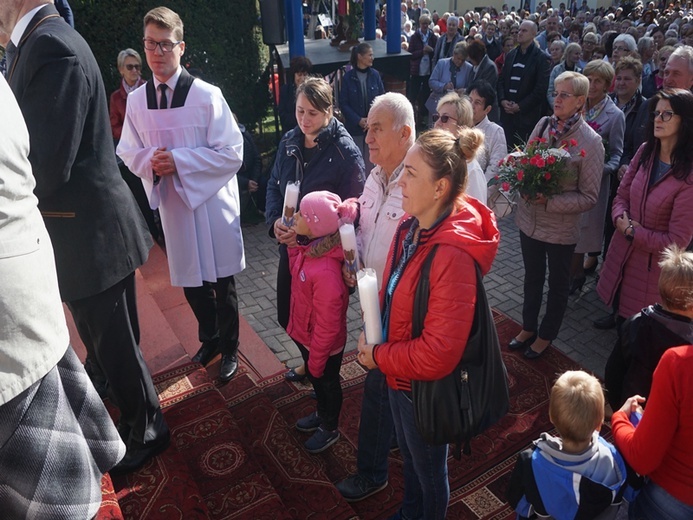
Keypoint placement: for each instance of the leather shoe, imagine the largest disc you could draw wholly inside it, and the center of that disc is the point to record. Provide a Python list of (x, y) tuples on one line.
[(516, 344), (207, 351), (294, 376), (533, 354), (136, 457), (229, 367), (605, 323)]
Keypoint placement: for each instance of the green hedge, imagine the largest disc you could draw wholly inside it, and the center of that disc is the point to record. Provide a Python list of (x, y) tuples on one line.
[(222, 38)]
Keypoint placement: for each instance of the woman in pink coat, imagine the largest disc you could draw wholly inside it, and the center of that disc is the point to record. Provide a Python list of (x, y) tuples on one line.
[(653, 207), (319, 301)]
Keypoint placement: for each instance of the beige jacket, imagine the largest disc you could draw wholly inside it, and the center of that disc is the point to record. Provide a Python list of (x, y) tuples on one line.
[(558, 221)]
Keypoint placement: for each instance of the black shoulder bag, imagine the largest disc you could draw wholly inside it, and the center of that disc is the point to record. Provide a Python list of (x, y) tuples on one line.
[(475, 395)]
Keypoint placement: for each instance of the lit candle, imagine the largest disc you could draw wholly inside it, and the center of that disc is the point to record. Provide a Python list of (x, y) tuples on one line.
[(351, 253), (290, 203), (370, 305)]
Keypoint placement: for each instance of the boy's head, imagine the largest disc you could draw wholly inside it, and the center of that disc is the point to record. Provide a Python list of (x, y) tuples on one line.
[(676, 280), (576, 406)]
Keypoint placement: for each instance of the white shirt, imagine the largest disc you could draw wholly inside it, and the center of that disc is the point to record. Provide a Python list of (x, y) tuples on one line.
[(170, 83), (23, 23)]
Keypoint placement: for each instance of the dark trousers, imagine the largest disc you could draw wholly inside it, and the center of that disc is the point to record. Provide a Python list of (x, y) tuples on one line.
[(135, 185), (328, 388), (283, 287), (534, 255), (375, 429), (215, 305), (418, 94), (108, 325)]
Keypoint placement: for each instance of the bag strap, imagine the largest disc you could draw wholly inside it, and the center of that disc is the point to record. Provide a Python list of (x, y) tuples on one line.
[(423, 290)]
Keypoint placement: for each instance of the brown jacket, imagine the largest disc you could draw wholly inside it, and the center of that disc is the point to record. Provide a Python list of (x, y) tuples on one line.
[(558, 221)]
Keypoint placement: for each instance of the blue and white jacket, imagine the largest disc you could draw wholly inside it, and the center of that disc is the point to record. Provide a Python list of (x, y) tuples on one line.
[(550, 483)]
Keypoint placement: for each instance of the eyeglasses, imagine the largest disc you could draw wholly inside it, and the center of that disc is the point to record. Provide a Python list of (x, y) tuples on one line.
[(443, 119), (562, 95), (620, 49), (664, 116), (133, 66), (165, 46)]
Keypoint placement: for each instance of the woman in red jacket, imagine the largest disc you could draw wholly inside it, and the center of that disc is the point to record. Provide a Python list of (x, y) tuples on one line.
[(660, 447), (433, 185), (653, 208)]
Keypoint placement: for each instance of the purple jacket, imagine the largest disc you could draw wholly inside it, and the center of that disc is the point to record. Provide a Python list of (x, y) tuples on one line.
[(665, 212), (319, 301)]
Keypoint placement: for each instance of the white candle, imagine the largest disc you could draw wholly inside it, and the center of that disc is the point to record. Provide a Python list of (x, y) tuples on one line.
[(370, 305), (351, 253), (290, 203)]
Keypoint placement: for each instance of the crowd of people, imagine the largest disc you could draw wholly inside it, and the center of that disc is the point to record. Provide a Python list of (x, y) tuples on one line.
[(413, 173)]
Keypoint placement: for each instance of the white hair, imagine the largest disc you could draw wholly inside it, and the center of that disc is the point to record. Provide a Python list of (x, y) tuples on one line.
[(628, 40), (401, 109)]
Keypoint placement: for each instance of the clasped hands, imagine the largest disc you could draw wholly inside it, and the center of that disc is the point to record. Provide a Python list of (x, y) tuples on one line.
[(162, 162)]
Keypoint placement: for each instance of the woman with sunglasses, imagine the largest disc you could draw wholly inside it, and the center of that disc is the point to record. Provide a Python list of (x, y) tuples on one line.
[(130, 67), (653, 207), (453, 113)]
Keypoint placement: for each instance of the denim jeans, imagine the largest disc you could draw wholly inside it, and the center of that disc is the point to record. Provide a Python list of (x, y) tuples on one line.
[(375, 430), (426, 486), (654, 503)]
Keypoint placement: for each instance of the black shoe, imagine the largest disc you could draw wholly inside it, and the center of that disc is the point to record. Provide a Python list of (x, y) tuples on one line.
[(136, 457), (357, 488), (229, 367), (517, 344), (533, 354), (605, 323), (576, 285), (207, 351), (294, 377)]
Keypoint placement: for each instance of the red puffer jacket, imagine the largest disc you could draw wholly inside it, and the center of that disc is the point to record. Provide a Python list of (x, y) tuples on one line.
[(665, 213), (319, 300), (469, 234)]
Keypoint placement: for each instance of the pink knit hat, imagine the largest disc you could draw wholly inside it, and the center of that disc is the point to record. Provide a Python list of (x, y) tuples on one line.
[(324, 212)]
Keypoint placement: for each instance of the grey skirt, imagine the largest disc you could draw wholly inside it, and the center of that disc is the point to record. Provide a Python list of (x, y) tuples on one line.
[(56, 442)]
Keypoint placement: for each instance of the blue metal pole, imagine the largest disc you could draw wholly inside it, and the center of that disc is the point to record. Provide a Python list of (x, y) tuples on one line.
[(369, 19), (294, 26), (394, 27)]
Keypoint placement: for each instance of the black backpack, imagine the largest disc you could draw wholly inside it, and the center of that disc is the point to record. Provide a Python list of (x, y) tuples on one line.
[(463, 404)]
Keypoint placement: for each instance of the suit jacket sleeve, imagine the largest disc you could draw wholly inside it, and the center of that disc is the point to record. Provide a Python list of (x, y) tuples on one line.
[(55, 79)]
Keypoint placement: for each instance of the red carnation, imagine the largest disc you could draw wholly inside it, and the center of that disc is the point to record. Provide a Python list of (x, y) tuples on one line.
[(524, 160), (520, 175), (547, 176), (582, 153), (505, 186), (573, 142), (541, 139), (551, 159), (541, 162)]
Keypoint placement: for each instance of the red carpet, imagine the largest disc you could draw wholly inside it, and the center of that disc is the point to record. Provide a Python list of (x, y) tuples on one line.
[(235, 453), (478, 482)]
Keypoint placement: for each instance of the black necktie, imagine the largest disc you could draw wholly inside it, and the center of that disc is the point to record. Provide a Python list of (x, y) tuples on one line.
[(163, 103), (10, 53)]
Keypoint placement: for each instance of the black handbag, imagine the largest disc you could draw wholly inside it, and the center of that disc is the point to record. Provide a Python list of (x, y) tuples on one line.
[(463, 404)]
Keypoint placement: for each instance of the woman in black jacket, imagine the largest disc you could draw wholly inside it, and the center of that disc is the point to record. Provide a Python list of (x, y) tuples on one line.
[(321, 155)]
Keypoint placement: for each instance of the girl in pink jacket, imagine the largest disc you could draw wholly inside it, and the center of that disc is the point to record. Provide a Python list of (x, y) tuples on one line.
[(319, 301)]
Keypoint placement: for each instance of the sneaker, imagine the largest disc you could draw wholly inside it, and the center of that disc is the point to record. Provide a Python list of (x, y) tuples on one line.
[(357, 488), (321, 440), (308, 424)]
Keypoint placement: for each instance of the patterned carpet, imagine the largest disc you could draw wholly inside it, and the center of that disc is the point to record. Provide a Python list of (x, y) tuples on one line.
[(235, 453)]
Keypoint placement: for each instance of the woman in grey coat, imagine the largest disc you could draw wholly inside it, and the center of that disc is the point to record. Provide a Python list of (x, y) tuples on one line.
[(605, 118)]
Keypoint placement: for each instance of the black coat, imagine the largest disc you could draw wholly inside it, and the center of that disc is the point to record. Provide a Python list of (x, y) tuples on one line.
[(489, 72), (98, 233), (337, 166)]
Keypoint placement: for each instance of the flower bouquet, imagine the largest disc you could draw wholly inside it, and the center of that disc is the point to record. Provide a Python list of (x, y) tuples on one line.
[(538, 170)]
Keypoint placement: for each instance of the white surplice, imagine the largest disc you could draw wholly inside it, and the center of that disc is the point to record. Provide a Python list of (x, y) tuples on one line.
[(199, 205)]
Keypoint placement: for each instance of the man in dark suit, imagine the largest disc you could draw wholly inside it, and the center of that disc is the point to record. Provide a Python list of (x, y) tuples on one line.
[(522, 86), (98, 233)]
